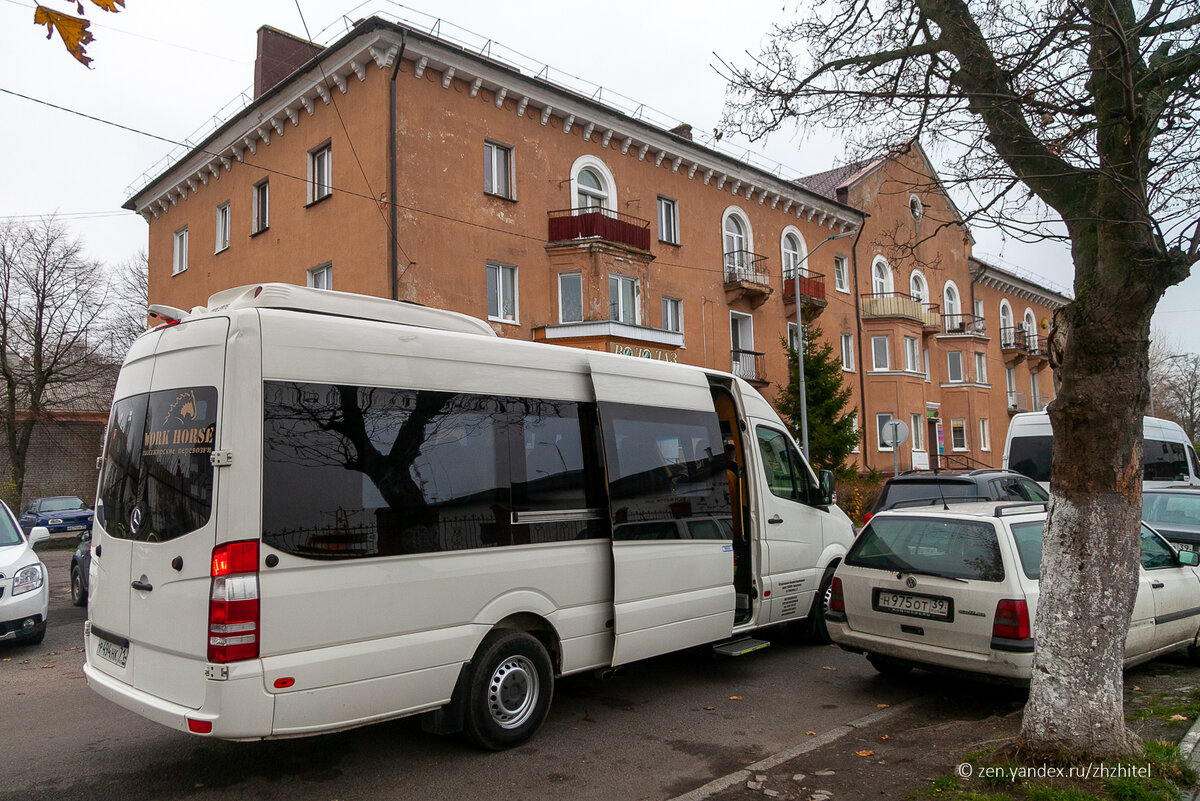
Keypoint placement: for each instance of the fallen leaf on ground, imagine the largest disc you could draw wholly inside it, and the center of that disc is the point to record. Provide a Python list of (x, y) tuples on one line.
[(810, 733), (1136, 688), (864, 753), (827, 667), (747, 761), (884, 737), (1177, 717), (882, 706), (735, 698), (709, 708), (48, 666)]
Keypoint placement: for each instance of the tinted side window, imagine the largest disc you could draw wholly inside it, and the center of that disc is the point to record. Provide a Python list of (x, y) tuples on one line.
[(1156, 554), (1017, 489), (786, 476), (1164, 461), (1030, 456), (929, 489), (663, 464)]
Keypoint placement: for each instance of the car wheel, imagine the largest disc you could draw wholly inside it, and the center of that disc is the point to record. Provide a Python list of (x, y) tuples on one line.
[(509, 690), (1193, 654), (79, 595), (818, 629), (889, 667)]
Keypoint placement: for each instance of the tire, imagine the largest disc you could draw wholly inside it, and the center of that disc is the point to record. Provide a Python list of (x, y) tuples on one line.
[(509, 690), (1193, 654), (79, 596), (889, 667), (819, 629)]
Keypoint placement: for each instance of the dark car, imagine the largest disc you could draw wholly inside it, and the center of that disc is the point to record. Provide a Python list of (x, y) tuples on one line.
[(81, 563), (1174, 513), (60, 513), (918, 486)]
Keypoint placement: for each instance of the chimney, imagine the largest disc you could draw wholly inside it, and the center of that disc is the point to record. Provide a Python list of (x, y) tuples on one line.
[(279, 55), (683, 131)]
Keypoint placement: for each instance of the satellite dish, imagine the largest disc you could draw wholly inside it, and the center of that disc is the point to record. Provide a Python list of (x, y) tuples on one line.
[(895, 432)]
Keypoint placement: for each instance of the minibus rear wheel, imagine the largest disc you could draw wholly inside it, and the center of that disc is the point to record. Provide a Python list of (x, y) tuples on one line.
[(509, 691)]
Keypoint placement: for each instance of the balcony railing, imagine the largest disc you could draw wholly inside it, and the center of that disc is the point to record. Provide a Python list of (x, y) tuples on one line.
[(1035, 344), (896, 304), (964, 324), (1018, 402), (748, 364), (812, 285), (746, 267), (1012, 337), (597, 223)]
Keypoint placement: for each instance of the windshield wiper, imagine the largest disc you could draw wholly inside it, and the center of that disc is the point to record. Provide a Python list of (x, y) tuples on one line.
[(903, 573)]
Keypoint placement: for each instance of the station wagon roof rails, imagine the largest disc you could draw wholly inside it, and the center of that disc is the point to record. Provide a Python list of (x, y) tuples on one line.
[(984, 470), (1020, 508), (936, 500), (343, 304)]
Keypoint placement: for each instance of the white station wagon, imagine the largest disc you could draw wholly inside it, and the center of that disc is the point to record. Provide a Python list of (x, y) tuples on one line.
[(957, 590)]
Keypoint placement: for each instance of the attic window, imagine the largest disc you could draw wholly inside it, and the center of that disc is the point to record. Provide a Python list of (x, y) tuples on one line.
[(915, 207)]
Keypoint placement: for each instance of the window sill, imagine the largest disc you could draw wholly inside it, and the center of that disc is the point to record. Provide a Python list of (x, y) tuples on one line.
[(178, 272), (315, 201), (843, 291), (220, 250), (499, 196), (504, 321), (262, 230), (669, 242)]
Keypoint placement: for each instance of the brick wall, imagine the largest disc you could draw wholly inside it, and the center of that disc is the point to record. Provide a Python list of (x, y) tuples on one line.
[(61, 461)]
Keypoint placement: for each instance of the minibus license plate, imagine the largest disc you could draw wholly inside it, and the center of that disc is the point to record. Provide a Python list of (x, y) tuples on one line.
[(117, 654), (902, 603)]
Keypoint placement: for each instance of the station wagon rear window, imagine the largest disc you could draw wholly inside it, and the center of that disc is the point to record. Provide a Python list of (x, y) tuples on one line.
[(963, 549), (158, 477)]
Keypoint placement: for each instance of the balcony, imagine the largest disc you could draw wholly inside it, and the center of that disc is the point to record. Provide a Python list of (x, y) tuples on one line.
[(812, 289), (569, 225), (964, 325), (1039, 353), (1018, 402), (1013, 345), (750, 365), (746, 277), (880, 305)]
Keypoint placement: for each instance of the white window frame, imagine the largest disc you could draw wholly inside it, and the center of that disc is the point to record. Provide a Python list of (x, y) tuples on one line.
[(260, 202), (606, 199), (1010, 386), (981, 368), (925, 364), (222, 228), (494, 172), (320, 172), (793, 336), (735, 257), (950, 360), (668, 220), (179, 251), (949, 308), (637, 299), (915, 207), (847, 353), (854, 428), (887, 353), (881, 420), (321, 276), (960, 424), (916, 424), (841, 274), (882, 281), (578, 278), (672, 309), (501, 269), (918, 287), (793, 252), (912, 355), (985, 435)]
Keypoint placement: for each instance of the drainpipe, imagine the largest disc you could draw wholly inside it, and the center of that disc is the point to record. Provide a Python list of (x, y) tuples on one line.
[(393, 250), (862, 365)]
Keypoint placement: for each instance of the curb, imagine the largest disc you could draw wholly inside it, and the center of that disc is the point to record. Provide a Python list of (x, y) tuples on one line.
[(1191, 755), (747, 773)]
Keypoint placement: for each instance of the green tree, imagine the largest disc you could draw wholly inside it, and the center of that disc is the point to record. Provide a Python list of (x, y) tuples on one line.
[(831, 431)]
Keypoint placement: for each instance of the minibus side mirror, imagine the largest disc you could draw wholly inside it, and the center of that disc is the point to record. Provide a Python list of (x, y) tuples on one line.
[(828, 491)]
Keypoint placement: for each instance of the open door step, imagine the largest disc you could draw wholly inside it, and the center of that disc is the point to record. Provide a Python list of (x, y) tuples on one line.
[(739, 647)]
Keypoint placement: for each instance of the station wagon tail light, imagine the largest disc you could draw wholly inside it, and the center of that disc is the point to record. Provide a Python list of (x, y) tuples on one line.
[(867, 517), (1012, 620), (836, 602), (233, 603)]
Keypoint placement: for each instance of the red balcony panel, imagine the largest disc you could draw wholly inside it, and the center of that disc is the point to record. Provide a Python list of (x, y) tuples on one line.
[(589, 223)]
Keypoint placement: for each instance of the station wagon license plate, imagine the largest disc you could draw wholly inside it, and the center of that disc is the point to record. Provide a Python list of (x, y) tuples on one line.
[(112, 652), (904, 603), (1185, 546)]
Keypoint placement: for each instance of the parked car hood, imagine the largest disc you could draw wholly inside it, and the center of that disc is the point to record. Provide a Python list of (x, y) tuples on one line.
[(16, 556)]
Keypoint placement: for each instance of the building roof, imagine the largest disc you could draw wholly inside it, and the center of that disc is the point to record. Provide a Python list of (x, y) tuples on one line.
[(829, 183), (1012, 283)]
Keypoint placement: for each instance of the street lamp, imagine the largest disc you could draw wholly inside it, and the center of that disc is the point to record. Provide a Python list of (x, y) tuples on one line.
[(800, 339)]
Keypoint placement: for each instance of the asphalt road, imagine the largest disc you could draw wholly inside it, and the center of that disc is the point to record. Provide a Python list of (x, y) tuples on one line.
[(658, 729)]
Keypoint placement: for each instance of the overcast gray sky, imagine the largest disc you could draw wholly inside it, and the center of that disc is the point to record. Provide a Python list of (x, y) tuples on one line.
[(167, 68)]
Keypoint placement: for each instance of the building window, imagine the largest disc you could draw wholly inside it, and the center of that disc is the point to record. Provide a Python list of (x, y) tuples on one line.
[(912, 355), (848, 352), (881, 421), (1008, 336), (672, 315), (570, 298), (915, 207), (854, 428), (881, 277), (1010, 386), (222, 227), (623, 299), (880, 353), (792, 251), (320, 173), (737, 244), (502, 292), (951, 308), (321, 277), (841, 280), (668, 220), (497, 170), (925, 363), (179, 259), (958, 434), (261, 213), (985, 437), (793, 337), (955, 366), (981, 368), (916, 425), (917, 287), (590, 190)]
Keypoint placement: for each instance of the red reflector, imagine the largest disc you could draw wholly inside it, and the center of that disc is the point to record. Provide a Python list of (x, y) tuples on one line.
[(283, 684), (199, 726), (1012, 620), (837, 603), (608, 624), (766, 593)]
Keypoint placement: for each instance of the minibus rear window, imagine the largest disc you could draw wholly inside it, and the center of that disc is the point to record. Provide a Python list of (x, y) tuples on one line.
[(1030, 456), (158, 474), (1164, 461)]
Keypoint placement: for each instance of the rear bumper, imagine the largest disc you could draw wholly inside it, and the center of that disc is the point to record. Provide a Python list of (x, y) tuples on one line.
[(1006, 665), (238, 708)]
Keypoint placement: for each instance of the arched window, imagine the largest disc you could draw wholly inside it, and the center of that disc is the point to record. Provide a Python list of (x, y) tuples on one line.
[(592, 184), (1031, 331), (737, 243), (1007, 334), (952, 308), (792, 251), (918, 288), (881, 277)]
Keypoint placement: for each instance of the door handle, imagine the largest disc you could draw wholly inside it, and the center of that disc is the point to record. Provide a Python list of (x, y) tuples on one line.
[(143, 586), (1158, 585), (776, 520)]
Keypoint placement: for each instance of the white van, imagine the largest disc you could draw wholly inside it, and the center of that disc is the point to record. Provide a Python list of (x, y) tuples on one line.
[(319, 510), (1169, 459)]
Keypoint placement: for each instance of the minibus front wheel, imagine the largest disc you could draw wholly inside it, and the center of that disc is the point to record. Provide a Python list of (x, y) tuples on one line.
[(509, 690)]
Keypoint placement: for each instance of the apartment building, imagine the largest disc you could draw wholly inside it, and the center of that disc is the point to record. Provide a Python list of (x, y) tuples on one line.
[(398, 164)]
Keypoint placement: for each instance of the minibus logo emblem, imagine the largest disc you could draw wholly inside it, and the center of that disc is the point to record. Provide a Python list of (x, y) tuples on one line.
[(135, 519)]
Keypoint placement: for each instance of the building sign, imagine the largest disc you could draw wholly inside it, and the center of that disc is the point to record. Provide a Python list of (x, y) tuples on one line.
[(646, 353)]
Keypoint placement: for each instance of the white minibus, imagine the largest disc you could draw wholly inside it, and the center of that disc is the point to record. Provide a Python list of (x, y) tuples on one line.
[(318, 510), (1168, 456)]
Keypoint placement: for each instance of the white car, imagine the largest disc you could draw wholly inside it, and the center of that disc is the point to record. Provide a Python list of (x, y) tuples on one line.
[(24, 584), (957, 590)]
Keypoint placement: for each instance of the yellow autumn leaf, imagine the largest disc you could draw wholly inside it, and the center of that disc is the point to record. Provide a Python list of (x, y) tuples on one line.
[(810, 733), (735, 698), (864, 753), (73, 30), (1177, 717), (882, 706), (884, 737), (108, 5)]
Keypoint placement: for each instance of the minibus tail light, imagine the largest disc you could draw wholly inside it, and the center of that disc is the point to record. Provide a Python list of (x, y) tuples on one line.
[(233, 603), (1012, 620)]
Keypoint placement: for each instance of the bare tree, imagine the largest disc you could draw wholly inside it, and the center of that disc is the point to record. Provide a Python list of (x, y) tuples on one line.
[(51, 346), (126, 317), (1080, 113), (1175, 379)]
